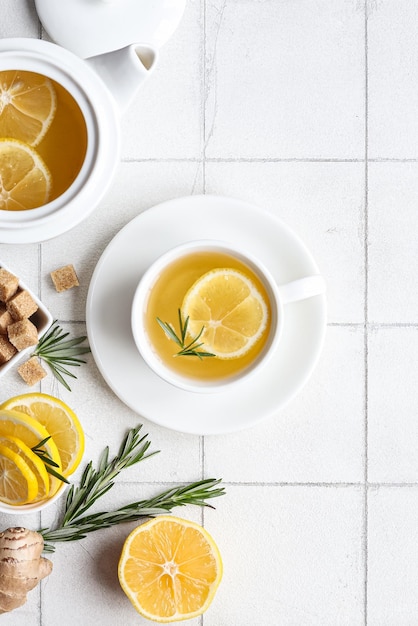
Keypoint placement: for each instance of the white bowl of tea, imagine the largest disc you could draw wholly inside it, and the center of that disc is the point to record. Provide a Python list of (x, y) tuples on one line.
[(60, 132)]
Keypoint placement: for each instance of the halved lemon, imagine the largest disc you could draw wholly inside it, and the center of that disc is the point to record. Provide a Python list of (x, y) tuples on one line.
[(31, 432), (25, 181), (33, 461), (27, 105), (18, 484), (232, 310), (59, 420), (170, 569)]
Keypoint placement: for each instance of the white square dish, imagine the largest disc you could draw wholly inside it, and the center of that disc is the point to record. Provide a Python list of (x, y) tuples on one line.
[(42, 319)]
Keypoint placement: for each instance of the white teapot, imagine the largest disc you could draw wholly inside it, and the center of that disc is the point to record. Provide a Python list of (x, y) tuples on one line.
[(102, 87)]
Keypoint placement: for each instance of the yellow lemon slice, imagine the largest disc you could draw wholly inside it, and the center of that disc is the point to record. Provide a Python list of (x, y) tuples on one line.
[(59, 420), (27, 105), (33, 461), (31, 432), (170, 569), (231, 309), (25, 181), (18, 484)]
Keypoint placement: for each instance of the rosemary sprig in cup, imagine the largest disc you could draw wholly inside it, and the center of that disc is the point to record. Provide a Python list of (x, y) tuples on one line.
[(189, 349), (59, 354), (95, 483)]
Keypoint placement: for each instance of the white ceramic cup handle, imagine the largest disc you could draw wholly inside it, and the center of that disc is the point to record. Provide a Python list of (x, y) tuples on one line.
[(302, 288)]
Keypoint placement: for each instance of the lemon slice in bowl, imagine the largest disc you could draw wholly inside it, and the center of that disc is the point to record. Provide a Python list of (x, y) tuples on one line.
[(25, 181), (31, 432), (33, 461), (18, 484), (231, 309), (59, 420), (27, 105), (170, 569)]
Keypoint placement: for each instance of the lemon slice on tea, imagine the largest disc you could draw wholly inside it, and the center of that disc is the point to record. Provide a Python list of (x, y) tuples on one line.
[(232, 310), (170, 569), (18, 484), (59, 420), (25, 181), (27, 105)]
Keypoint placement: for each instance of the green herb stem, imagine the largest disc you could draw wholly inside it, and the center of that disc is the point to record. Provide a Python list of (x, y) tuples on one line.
[(94, 483), (47, 461), (59, 353), (190, 349), (194, 494)]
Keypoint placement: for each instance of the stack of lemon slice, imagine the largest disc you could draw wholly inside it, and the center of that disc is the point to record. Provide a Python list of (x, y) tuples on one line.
[(25, 422), (27, 109)]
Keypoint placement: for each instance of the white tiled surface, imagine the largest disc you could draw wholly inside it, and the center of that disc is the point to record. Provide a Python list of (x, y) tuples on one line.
[(306, 108)]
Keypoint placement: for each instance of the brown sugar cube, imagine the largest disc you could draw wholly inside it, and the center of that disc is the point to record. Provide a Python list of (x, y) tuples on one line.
[(65, 278), (21, 305), (7, 350), (31, 371), (22, 334), (8, 284), (5, 319)]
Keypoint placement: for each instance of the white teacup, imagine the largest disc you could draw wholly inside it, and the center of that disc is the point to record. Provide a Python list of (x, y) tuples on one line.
[(278, 296)]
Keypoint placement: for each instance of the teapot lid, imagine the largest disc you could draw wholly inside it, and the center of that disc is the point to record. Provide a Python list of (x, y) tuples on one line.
[(92, 27)]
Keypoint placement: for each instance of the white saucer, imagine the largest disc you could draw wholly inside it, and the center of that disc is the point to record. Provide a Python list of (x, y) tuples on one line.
[(111, 292)]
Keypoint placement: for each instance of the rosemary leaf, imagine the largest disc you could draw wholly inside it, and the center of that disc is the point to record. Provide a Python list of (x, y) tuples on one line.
[(58, 352), (56, 474), (191, 349), (47, 461), (193, 494), (170, 332)]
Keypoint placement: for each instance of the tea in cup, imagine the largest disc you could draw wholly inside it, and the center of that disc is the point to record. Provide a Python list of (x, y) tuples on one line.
[(206, 314)]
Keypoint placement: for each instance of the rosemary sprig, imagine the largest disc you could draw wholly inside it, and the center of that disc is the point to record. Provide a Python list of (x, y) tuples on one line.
[(48, 462), (94, 483), (60, 354), (190, 349)]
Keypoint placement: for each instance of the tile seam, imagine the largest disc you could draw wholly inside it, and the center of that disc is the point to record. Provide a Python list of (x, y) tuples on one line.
[(204, 98), (283, 483), (265, 160), (366, 311), (236, 160), (370, 325), (203, 140)]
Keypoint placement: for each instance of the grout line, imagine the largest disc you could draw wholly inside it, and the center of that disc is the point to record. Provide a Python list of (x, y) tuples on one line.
[(39, 270), (282, 484), (205, 159), (366, 313), (373, 325), (369, 325), (203, 140), (204, 99), (237, 160), (202, 456), (392, 160)]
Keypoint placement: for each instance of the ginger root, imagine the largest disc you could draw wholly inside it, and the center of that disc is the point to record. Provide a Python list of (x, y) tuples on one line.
[(21, 566)]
